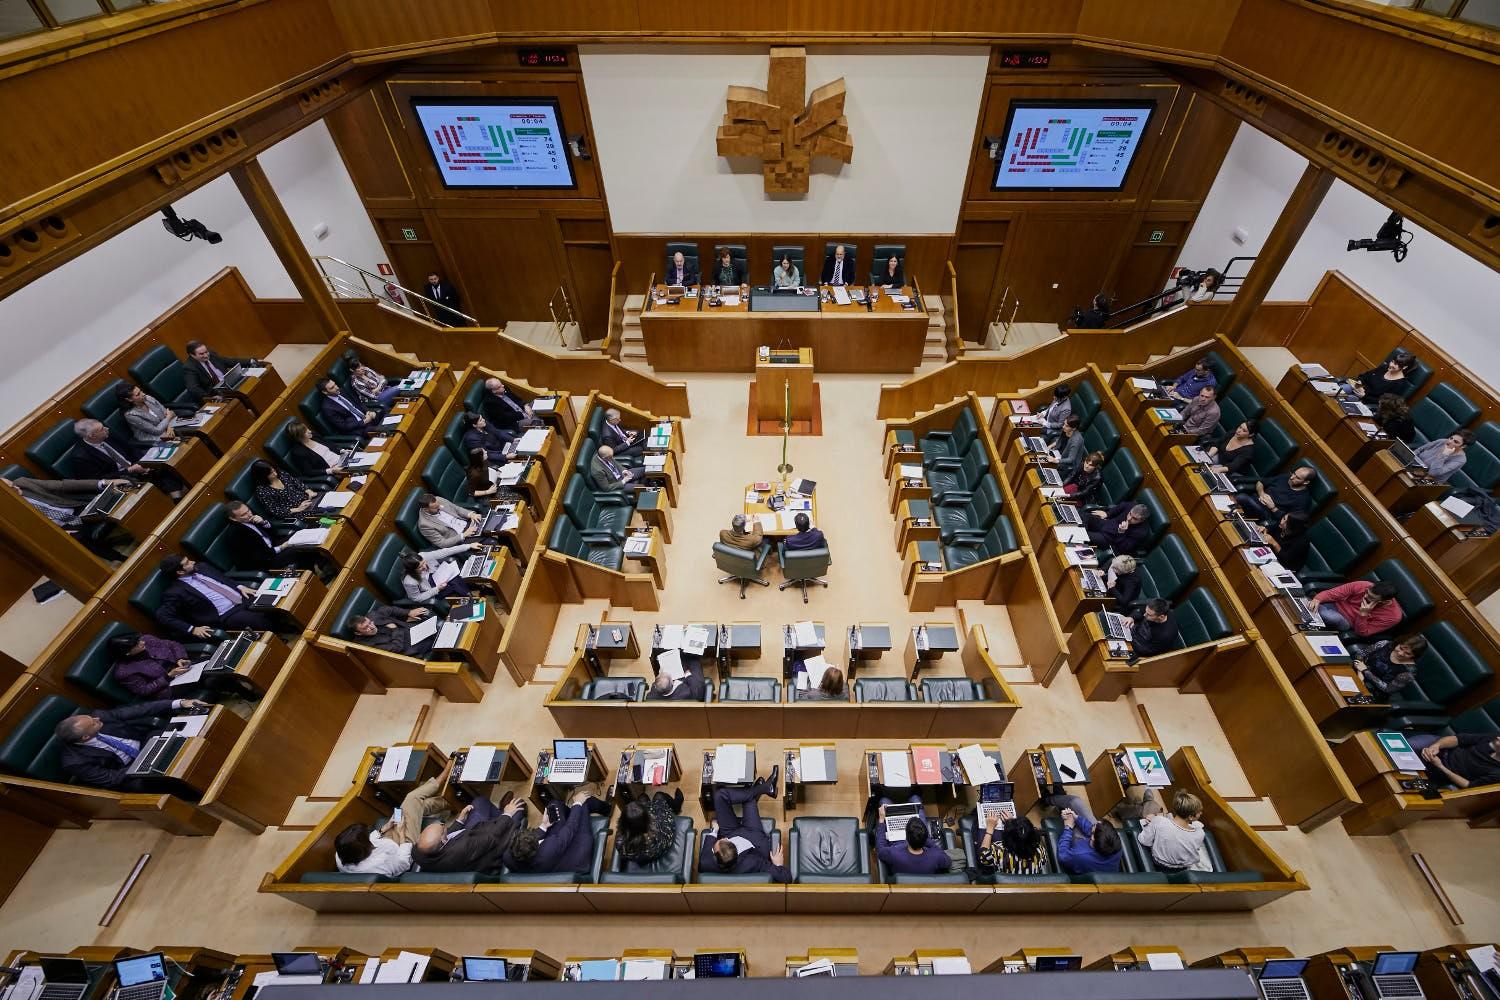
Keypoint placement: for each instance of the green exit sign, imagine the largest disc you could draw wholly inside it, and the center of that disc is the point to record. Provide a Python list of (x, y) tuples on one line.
[(411, 234), (1157, 235)]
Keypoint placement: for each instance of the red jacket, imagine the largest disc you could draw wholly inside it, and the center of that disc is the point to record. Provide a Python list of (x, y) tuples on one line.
[(1345, 600)]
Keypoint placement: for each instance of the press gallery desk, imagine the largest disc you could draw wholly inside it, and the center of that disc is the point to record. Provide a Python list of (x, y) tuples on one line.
[(692, 336)]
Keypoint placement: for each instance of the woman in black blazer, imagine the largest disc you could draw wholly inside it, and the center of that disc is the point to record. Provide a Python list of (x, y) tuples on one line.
[(893, 275), (308, 456)]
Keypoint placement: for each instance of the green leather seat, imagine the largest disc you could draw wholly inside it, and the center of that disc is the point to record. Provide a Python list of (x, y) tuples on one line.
[(31, 749), (1224, 376), (803, 567), (851, 262), (1483, 719), (955, 876), (977, 513), (738, 254), (1131, 872), (1417, 374), (757, 689), (474, 396), (1238, 405), (599, 830), (673, 868), (342, 878), (278, 446), (442, 878), (445, 477), (1441, 412), (970, 548), (689, 253), (1120, 478), (742, 565), (241, 488), (1449, 670), (950, 443), (1336, 542), (93, 670), (879, 261), (614, 689), (359, 602), (1156, 515), (384, 571), (1101, 435), (151, 364), (586, 451), (407, 514), (602, 512), (1085, 401), (453, 437), (601, 550), (1218, 875), (311, 408), (874, 689), (1415, 602), (1320, 491), (103, 404), (1167, 570), (1272, 450), (146, 597), (207, 539), (829, 850), (946, 475), (1481, 469), (1200, 619), (952, 689), (768, 826), (52, 451), (798, 254)]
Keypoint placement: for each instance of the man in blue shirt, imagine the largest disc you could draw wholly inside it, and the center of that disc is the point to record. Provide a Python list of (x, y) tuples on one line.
[(914, 856), (1195, 380), (1087, 845)]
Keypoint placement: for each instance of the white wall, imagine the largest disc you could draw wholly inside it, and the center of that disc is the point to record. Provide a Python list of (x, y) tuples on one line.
[(912, 114), (1449, 296), (59, 324)]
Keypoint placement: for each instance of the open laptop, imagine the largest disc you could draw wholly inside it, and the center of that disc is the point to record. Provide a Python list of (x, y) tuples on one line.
[(141, 978), (155, 757), (995, 799), (1393, 975), (1281, 979), (64, 979), (306, 964), (570, 761), (104, 504), (897, 815), (485, 969), (716, 965), (1059, 963), (232, 378)]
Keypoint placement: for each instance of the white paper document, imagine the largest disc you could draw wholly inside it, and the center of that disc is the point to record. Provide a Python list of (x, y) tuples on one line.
[(189, 725), (424, 629), (816, 668), (361, 459), (444, 571), (1066, 759), (951, 965), (477, 764), (895, 768), (307, 537), (390, 421), (643, 969), (729, 763), (730, 300), (404, 968), (1162, 961), (393, 767), (252, 372), (377, 442), (1143, 383), (544, 404), (1071, 534), (336, 499), (841, 295), (741, 844), (1370, 429), (817, 967), (805, 635), (1314, 370), (695, 639), (978, 767), (510, 473), (1223, 504), (275, 585), (448, 635), (672, 637), (637, 545), (911, 471), (1458, 508), (367, 974), (189, 676), (1329, 647), (814, 765), (1345, 683), (669, 662), (1483, 958), (533, 440)]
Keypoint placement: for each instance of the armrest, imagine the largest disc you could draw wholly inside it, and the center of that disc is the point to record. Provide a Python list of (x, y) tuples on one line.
[(246, 575), (954, 498), (614, 500), (780, 554), (968, 538), (761, 555), (938, 435), (946, 462)]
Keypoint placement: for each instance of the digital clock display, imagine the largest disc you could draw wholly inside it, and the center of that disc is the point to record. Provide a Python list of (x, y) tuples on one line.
[(1028, 59), (542, 57)]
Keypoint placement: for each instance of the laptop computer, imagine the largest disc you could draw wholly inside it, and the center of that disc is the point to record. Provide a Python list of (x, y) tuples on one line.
[(897, 815), (64, 978), (570, 761), (232, 378), (141, 978), (103, 504), (484, 969), (299, 963), (1281, 979), (716, 965), (1116, 625), (157, 754), (1059, 963), (1393, 975), (995, 799)]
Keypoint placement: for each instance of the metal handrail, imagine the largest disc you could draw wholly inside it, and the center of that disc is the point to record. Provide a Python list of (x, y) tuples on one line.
[(558, 325), (388, 293), (1137, 311)]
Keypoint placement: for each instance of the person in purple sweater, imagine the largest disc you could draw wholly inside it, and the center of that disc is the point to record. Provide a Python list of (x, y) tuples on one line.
[(914, 856), (145, 664), (1087, 845)]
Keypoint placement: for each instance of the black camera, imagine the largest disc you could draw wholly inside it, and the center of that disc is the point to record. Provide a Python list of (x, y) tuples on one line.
[(187, 229), (1390, 237)]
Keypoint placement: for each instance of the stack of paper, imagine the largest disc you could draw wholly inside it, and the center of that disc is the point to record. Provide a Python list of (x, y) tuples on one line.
[(813, 764), (1070, 534), (1345, 683), (816, 668), (695, 639), (423, 630), (729, 763), (1314, 370), (979, 767), (1400, 752), (805, 635), (448, 634), (406, 967), (393, 767), (1162, 961), (275, 585), (1143, 383), (544, 404), (533, 440), (477, 764), (336, 499), (444, 571), (190, 676), (672, 637), (669, 662), (951, 966), (637, 545), (390, 421), (911, 471), (363, 458), (189, 725), (510, 473), (1148, 767), (817, 967), (643, 968), (895, 768), (655, 765), (1458, 508), (376, 442)]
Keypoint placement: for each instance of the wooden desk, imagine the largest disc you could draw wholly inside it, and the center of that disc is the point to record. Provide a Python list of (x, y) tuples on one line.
[(197, 764), (794, 786), (1111, 780), (1102, 675), (653, 511), (536, 487), (865, 641), (260, 392), (611, 640), (1397, 488), (477, 641), (555, 409), (1467, 553), (509, 766), (693, 337), (660, 472), (790, 648), (1331, 708), (707, 782), (1386, 806), (907, 488), (1032, 772), (1135, 401), (543, 788), (759, 507), (914, 523), (940, 638), (550, 456), (225, 422), (845, 961), (897, 453), (626, 785), (263, 660), (1072, 602), (520, 539), (301, 601), (141, 511), (775, 381), (874, 784), (191, 460), (501, 576), (918, 557), (739, 641), (653, 560)]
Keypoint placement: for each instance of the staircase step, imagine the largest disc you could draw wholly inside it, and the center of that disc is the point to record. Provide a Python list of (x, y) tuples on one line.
[(635, 303)]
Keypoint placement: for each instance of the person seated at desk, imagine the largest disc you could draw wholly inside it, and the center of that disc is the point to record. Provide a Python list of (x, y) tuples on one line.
[(689, 687), (1394, 418), (200, 600), (1154, 631), (1017, 851), (1390, 377), (283, 497), (389, 629), (807, 537), (473, 841), (60, 500), (1193, 381), (723, 855), (344, 416), (99, 745), (145, 664), (1234, 457), (1389, 666), (607, 475), (894, 275), (102, 455), (916, 854), (1460, 760), (1055, 412), (443, 523), (1087, 845), (648, 826), (358, 850), (1083, 485), (477, 481), (1200, 417), (1176, 840), (1068, 452), (1122, 529), (836, 271), (681, 272), (832, 687), (726, 271), (1123, 583), (742, 533), (1359, 606), (1288, 539), (150, 422), (785, 274), (479, 435), (308, 456), (561, 841), (1445, 456), (373, 390), (621, 441), (1279, 495), (507, 415), (254, 544), (204, 370), (419, 570)]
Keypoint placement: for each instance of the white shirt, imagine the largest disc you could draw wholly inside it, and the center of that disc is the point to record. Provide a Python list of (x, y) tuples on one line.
[(387, 858), (322, 451)]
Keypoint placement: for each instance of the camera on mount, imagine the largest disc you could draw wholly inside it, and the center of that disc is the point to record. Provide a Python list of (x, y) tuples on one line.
[(187, 229), (1390, 237)]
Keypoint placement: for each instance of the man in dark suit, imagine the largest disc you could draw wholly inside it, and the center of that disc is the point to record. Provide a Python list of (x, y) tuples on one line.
[(689, 687), (562, 842), (341, 413), (200, 599), (389, 629), (506, 415), (480, 435), (474, 841), (807, 537), (445, 295), (204, 369), (99, 745), (254, 543), (608, 476), (680, 272), (102, 455), (622, 442), (726, 270), (721, 854), (1124, 528), (838, 268), (1154, 631)]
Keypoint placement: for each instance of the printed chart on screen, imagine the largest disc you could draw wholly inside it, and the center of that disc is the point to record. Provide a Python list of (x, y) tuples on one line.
[(1067, 147), (496, 145)]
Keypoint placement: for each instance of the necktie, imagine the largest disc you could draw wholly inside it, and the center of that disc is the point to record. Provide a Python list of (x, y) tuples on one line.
[(120, 462), (679, 276), (229, 593), (213, 372), (614, 469), (124, 749), (349, 406), (838, 272), (265, 537)]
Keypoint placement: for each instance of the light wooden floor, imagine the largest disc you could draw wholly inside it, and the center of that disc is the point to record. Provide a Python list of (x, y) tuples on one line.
[(202, 891)]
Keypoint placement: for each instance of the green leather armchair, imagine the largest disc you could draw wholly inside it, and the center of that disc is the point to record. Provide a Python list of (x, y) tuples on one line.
[(803, 567)]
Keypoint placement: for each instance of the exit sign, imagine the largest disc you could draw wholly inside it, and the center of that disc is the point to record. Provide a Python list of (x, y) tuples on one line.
[(409, 234), (1157, 235)]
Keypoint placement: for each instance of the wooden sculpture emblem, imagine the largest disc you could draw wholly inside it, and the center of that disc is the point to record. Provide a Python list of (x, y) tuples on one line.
[(785, 133)]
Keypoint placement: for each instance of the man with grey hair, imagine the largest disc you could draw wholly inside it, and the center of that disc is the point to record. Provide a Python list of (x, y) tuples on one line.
[(99, 745), (102, 455), (624, 442), (742, 534), (689, 686), (1122, 529), (503, 412)]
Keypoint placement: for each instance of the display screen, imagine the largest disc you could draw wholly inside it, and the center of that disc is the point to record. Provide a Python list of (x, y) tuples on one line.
[(1059, 963), (1283, 968), (496, 143), (146, 969), (570, 749), (1394, 963), (1077, 146), (484, 969), (297, 963)]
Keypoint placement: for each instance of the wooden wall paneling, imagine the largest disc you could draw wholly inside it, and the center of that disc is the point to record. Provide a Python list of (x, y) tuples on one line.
[(854, 18), (1274, 324), (566, 15), (1156, 24), (1197, 151), (24, 839), (672, 16), (980, 248), (1143, 268), (373, 25), (506, 260), (1293, 221), (1055, 262), (363, 134), (588, 265), (1015, 17)]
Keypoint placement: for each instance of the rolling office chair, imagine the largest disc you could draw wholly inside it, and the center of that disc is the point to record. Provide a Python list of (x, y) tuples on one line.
[(742, 564), (803, 567)]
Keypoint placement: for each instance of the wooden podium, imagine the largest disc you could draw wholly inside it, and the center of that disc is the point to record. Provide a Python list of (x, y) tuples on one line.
[(776, 375)]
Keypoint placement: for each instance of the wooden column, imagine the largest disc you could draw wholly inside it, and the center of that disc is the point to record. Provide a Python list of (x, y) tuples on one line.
[(267, 209), (1295, 215)]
